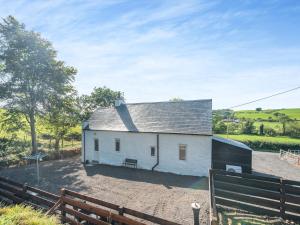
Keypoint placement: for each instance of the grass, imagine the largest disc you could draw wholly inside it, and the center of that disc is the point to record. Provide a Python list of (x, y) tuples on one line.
[(25, 215), (275, 140), (266, 114)]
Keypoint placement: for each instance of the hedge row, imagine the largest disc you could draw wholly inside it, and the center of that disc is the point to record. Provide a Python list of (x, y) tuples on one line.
[(269, 146)]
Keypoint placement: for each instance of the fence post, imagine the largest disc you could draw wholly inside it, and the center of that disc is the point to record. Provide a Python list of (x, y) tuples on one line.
[(24, 187), (282, 198), (213, 217), (196, 210), (63, 212), (121, 212)]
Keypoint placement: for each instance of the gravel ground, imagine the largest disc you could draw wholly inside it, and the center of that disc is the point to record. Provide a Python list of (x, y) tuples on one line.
[(164, 195), (267, 163)]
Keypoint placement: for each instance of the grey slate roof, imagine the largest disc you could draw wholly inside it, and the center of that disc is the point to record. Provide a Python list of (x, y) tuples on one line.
[(184, 117), (231, 142)]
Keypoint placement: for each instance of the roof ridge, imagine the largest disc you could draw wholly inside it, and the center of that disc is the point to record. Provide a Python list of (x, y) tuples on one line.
[(196, 100)]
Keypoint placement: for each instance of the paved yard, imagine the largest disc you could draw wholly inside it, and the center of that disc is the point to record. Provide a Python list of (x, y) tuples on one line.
[(268, 163), (161, 194)]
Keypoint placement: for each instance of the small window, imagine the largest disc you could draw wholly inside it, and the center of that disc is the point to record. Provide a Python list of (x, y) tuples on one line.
[(96, 144), (182, 152), (117, 144), (152, 151)]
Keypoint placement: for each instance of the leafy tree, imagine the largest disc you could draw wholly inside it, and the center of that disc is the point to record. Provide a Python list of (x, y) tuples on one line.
[(220, 128), (248, 127), (261, 129), (283, 119), (30, 72), (61, 116), (258, 109), (100, 97)]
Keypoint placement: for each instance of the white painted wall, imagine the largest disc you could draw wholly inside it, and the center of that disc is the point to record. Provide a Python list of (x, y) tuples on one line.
[(138, 146)]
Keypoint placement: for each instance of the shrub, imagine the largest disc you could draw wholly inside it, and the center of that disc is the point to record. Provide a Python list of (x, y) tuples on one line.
[(270, 131), (25, 215), (248, 127), (274, 147), (220, 128)]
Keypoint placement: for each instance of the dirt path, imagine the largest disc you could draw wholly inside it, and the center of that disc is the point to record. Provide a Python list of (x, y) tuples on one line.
[(164, 195), (269, 163)]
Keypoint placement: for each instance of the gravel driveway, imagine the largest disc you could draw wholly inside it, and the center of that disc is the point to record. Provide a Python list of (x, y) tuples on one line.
[(267, 163), (164, 195)]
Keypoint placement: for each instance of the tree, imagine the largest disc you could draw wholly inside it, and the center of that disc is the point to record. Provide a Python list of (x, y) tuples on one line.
[(283, 119), (248, 127), (30, 72), (261, 129), (220, 128), (61, 116), (100, 97)]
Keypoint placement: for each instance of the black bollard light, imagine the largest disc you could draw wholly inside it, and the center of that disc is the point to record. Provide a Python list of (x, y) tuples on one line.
[(196, 211)]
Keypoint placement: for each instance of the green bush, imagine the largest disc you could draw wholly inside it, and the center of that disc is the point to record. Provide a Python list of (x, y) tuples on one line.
[(274, 147), (25, 215)]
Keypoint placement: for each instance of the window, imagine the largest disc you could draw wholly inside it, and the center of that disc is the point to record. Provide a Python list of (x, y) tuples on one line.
[(182, 152), (96, 144), (117, 144), (152, 151)]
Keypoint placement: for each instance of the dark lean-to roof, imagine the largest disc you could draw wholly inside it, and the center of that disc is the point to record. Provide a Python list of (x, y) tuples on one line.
[(231, 142), (182, 117)]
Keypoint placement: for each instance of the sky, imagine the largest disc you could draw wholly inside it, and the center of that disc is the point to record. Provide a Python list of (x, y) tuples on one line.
[(230, 51)]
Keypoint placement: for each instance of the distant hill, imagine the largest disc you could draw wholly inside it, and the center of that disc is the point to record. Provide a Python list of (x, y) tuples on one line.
[(267, 114)]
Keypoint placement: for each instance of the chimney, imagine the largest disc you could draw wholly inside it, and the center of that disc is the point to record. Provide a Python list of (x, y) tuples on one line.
[(120, 100)]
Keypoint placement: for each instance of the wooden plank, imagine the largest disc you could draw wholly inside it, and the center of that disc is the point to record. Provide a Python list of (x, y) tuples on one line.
[(99, 211), (249, 208), (292, 199), (3, 179), (39, 200), (10, 196), (92, 200), (84, 216), (292, 182), (292, 208), (248, 182), (292, 217), (247, 190), (148, 217), (245, 175), (27, 196), (71, 221), (248, 199), (43, 193), (292, 190)]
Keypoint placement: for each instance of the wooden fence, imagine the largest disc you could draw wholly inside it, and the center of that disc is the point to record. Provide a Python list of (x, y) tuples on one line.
[(257, 194), (74, 208)]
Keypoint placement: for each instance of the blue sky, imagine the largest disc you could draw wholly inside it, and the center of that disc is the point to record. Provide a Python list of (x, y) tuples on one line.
[(231, 51)]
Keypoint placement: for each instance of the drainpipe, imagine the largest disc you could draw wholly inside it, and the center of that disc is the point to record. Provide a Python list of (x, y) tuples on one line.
[(157, 152), (84, 146)]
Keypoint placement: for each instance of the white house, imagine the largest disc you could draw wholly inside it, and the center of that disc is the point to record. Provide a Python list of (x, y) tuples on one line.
[(171, 137)]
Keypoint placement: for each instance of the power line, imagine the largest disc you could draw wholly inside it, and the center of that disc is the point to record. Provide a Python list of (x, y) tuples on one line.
[(260, 99)]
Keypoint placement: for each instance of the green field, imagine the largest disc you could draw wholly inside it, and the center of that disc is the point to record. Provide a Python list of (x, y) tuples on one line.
[(254, 138), (267, 114)]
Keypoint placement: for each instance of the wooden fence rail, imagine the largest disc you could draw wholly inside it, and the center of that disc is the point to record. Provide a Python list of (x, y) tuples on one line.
[(73, 207), (257, 194)]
